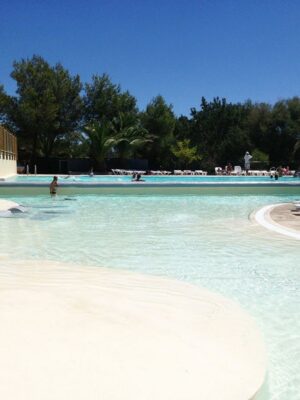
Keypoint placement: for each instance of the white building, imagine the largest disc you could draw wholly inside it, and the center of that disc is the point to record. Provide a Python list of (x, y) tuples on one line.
[(8, 153)]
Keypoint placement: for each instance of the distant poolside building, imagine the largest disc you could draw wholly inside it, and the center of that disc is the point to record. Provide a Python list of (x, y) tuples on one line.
[(8, 153)]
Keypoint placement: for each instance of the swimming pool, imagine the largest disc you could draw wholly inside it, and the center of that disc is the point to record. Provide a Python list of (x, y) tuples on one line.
[(210, 241), (149, 178), (151, 185)]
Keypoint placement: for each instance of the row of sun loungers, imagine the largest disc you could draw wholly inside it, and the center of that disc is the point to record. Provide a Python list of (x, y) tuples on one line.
[(252, 172), (158, 172), (189, 172), (126, 172), (237, 171), (262, 173), (131, 172)]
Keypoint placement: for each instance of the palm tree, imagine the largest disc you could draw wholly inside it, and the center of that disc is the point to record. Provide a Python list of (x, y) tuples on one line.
[(130, 136), (100, 136), (105, 136)]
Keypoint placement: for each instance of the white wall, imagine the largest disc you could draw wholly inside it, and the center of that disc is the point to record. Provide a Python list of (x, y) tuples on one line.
[(7, 167)]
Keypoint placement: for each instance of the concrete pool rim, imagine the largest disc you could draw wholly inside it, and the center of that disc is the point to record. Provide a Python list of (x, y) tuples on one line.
[(264, 218)]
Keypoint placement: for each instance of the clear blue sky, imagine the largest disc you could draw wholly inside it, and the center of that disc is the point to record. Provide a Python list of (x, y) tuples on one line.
[(183, 50)]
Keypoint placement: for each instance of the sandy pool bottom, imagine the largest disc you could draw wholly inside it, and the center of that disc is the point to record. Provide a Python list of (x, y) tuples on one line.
[(70, 332)]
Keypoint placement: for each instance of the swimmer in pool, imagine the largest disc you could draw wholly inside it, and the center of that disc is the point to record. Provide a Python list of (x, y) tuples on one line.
[(133, 178), (138, 178)]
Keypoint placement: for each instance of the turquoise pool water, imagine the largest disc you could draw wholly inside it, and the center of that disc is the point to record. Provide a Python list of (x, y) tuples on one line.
[(207, 240), (147, 178)]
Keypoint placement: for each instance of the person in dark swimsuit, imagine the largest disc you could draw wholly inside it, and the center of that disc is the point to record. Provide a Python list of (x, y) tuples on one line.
[(53, 186), (138, 178)]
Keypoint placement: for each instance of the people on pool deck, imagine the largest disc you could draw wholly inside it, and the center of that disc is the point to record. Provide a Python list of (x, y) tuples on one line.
[(279, 171), (228, 169), (286, 170), (53, 186), (247, 159), (91, 172)]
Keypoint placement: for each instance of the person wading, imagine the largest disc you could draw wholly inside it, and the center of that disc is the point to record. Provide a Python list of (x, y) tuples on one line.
[(53, 186)]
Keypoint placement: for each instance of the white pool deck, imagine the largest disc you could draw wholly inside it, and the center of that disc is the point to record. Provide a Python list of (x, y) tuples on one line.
[(71, 332)]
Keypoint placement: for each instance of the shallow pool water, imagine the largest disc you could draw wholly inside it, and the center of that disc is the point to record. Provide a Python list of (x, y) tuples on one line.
[(210, 241)]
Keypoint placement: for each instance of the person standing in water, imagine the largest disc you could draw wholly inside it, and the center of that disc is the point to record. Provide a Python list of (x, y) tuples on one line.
[(53, 186)]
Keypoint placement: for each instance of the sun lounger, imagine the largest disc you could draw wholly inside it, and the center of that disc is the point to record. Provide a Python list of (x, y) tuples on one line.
[(237, 170), (255, 172), (265, 173), (178, 172), (218, 171)]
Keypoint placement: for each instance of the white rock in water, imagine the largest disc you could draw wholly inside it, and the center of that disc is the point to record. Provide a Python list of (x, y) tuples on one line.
[(11, 206)]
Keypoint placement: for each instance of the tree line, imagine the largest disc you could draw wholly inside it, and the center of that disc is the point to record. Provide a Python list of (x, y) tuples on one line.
[(54, 114)]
